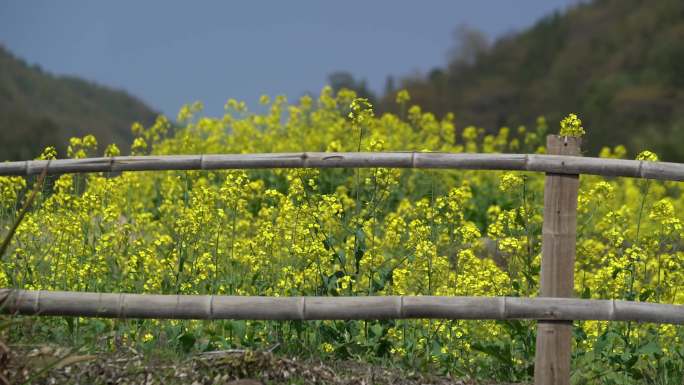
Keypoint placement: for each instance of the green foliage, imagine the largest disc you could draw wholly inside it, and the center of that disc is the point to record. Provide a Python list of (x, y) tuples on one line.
[(38, 109), (618, 63), (342, 232)]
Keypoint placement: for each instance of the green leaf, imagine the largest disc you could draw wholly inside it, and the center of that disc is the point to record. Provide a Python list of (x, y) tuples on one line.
[(341, 255), (645, 295), (586, 293), (377, 330), (629, 359), (650, 348), (579, 334), (495, 351), (239, 328), (436, 348), (187, 341), (615, 273)]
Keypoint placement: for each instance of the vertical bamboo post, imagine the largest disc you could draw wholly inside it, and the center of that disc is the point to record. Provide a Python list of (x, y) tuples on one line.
[(559, 231)]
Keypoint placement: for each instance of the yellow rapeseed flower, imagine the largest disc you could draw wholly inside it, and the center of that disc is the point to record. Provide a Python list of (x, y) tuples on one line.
[(571, 125)]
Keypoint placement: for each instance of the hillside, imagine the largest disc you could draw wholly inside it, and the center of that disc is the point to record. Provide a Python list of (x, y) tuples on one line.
[(618, 63), (39, 109)]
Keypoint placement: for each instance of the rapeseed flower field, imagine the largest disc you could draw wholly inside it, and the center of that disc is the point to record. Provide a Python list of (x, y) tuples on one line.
[(348, 232)]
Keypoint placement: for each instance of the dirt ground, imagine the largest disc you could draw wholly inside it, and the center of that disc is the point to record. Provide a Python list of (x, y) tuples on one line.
[(49, 365)]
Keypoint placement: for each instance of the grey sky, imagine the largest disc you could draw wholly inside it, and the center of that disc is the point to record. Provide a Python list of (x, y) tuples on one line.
[(173, 52)]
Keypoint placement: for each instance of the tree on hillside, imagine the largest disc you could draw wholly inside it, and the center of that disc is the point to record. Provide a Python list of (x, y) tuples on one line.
[(342, 79), (617, 63)]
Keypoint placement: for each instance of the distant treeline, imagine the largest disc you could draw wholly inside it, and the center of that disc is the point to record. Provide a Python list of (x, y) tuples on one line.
[(38, 109), (619, 64)]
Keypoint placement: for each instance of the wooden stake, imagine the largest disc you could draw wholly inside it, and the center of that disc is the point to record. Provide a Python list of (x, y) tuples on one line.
[(559, 233)]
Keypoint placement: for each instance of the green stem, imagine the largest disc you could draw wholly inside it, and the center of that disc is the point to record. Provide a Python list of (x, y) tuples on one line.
[(24, 209)]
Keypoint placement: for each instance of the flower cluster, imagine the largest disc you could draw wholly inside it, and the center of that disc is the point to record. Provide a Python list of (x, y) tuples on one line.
[(571, 125), (334, 232)]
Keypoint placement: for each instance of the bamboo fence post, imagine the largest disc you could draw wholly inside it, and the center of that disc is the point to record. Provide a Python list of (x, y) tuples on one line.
[(559, 231)]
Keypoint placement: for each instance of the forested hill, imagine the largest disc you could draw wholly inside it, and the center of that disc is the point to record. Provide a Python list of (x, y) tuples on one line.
[(38, 109), (619, 64)]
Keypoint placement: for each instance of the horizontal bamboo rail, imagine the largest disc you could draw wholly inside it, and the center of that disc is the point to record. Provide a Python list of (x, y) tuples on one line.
[(427, 160), (116, 305)]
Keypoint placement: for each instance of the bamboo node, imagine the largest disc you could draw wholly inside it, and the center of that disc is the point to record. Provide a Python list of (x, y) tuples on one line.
[(211, 307), (302, 308), (640, 171), (36, 305), (122, 299)]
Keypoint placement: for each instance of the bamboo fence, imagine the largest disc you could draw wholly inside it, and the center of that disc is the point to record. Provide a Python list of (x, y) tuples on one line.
[(557, 164), (208, 307), (554, 309)]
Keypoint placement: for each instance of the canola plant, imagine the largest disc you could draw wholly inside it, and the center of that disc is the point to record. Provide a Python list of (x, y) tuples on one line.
[(347, 232)]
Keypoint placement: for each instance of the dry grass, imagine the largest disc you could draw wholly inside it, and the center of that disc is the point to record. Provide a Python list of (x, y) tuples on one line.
[(50, 365)]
